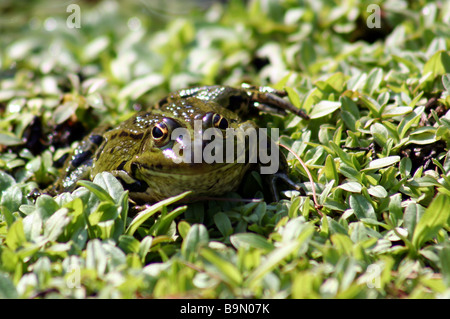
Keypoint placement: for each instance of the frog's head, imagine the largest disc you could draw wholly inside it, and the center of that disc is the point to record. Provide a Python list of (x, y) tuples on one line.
[(177, 152)]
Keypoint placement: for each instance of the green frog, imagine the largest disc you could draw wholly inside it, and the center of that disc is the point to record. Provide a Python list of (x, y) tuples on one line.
[(142, 151)]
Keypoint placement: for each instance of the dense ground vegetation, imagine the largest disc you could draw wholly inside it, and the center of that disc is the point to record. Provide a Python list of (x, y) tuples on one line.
[(373, 76)]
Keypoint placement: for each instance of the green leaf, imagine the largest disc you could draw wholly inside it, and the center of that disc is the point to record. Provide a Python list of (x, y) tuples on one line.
[(7, 287), (374, 80), (335, 83), (245, 240), (378, 191), (54, 226), (396, 111), (64, 111), (444, 257), (139, 86), (110, 184), (383, 98), (324, 108), (435, 217), (293, 97), (312, 98), (162, 225), (349, 112), (12, 198), (353, 187), (405, 166), (123, 206), (349, 120), (438, 64), (96, 257), (350, 106), (223, 224), (129, 244), (446, 81), (144, 247), (16, 235), (226, 270), (362, 207), (150, 211), (6, 181), (410, 120), (93, 49), (409, 64), (101, 193), (357, 81), (379, 133), (47, 206), (183, 228), (273, 260), (342, 243), (281, 84), (413, 213), (9, 139), (371, 104), (382, 162), (422, 136), (330, 169), (105, 211), (279, 254), (195, 238)]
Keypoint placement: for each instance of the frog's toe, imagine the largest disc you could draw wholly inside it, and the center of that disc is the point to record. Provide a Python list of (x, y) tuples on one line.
[(285, 178), (269, 109), (274, 99)]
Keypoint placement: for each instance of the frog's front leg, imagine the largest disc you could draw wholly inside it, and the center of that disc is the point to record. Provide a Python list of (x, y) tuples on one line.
[(274, 178), (79, 163)]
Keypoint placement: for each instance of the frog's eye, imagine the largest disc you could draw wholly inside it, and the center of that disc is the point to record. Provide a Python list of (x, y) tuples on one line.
[(160, 131), (219, 121)]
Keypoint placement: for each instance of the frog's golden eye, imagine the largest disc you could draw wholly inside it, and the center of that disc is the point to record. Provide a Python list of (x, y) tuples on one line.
[(219, 121), (160, 131)]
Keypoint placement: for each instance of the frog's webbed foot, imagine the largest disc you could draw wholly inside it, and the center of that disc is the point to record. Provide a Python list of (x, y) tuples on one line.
[(270, 100), (273, 179)]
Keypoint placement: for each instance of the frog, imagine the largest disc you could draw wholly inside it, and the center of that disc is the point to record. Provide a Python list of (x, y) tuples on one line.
[(140, 151)]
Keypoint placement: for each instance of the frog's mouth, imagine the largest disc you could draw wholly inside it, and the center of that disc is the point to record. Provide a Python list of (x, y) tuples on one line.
[(158, 185), (187, 169)]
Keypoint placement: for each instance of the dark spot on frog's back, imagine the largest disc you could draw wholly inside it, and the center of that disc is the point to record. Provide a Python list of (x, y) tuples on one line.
[(235, 102), (96, 139), (134, 167), (99, 152), (80, 158), (161, 102), (121, 165), (136, 136), (131, 135)]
